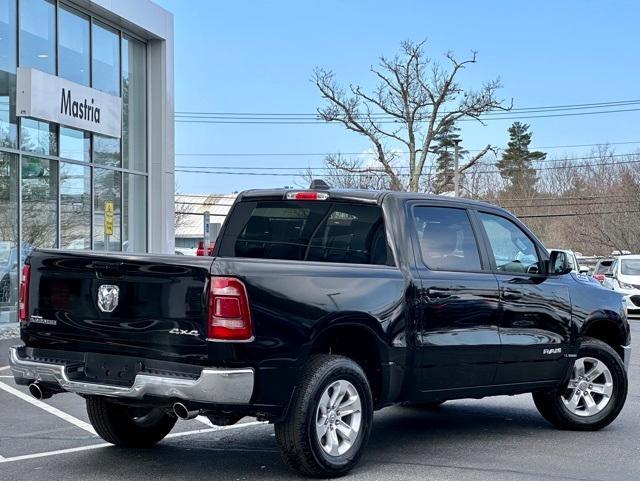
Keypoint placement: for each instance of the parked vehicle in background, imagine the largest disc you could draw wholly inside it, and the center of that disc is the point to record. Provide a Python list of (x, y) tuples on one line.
[(9, 273), (624, 277), (200, 250), (185, 251), (601, 268), (317, 308), (573, 261)]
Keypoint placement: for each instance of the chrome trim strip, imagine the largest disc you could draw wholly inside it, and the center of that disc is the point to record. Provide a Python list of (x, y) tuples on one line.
[(626, 350), (215, 385)]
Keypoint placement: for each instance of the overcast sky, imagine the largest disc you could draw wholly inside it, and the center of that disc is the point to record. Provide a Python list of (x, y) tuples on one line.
[(240, 56)]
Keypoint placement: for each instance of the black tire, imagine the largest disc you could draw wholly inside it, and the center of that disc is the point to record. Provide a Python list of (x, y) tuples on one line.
[(296, 435), (553, 409), (430, 406), (127, 426)]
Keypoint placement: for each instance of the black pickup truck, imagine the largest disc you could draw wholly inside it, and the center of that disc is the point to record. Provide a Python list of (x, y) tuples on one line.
[(316, 308)]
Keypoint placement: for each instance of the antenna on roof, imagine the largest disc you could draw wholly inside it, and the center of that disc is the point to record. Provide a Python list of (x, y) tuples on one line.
[(319, 184)]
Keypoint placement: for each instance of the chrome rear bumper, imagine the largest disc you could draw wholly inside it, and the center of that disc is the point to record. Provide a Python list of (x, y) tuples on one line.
[(222, 386)]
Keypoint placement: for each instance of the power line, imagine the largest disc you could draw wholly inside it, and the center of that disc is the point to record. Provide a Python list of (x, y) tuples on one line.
[(316, 115), (566, 204), (578, 214), (323, 122), (320, 168), (325, 154), (381, 173)]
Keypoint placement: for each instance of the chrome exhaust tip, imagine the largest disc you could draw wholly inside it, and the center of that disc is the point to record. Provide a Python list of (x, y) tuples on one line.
[(183, 412), (39, 392)]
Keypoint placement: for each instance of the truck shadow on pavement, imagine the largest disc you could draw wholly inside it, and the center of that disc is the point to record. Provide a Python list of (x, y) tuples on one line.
[(400, 436)]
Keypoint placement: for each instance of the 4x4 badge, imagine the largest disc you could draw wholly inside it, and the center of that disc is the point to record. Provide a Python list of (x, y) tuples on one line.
[(183, 332), (108, 296)]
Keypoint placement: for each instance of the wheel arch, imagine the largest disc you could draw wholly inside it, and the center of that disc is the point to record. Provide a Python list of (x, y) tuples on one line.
[(361, 338), (609, 329)]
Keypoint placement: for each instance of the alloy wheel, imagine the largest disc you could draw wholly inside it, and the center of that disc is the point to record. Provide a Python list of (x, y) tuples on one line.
[(338, 418), (590, 388)]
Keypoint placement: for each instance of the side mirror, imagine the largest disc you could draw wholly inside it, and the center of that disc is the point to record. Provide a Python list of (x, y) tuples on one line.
[(559, 263), (608, 274), (583, 270)]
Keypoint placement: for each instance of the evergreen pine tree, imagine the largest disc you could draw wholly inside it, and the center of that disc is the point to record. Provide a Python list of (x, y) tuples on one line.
[(445, 147), (515, 164)]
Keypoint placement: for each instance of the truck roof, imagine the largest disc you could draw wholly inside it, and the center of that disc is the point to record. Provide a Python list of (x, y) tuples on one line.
[(365, 196)]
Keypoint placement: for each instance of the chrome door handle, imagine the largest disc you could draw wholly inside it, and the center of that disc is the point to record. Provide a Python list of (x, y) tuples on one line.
[(511, 294), (435, 293)]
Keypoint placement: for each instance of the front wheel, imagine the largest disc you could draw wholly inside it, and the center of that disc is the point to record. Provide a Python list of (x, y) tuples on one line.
[(595, 394), (330, 418), (128, 426)]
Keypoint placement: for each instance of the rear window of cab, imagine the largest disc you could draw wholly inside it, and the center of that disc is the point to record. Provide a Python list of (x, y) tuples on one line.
[(317, 231)]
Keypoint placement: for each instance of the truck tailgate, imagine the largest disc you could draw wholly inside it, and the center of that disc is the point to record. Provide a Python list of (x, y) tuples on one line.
[(160, 312)]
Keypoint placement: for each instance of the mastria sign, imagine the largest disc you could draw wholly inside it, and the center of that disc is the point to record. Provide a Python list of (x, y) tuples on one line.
[(47, 97)]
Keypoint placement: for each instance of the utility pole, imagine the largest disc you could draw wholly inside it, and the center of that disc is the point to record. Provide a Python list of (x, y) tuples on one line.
[(456, 171)]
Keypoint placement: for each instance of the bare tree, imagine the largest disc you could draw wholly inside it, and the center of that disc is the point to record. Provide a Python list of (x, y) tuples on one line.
[(348, 173), (416, 98)]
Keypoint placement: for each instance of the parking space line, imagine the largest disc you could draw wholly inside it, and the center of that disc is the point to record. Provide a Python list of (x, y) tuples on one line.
[(104, 445), (50, 409), (7, 377), (205, 420), (5, 368)]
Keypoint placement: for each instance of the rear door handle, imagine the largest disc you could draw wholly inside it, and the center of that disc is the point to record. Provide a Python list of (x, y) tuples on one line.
[(435, 293), (511, 294)]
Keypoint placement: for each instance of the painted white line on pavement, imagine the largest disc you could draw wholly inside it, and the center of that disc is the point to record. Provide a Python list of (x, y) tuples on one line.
[(8, 377), (205, 420), (104, 445), (2, 458), (5, 368), (50, 409)]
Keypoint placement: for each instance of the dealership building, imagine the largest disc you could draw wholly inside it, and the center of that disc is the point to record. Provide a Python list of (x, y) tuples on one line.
[(86, 130)]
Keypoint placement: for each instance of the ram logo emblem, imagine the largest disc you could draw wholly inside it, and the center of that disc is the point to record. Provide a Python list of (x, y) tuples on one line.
[(108, 296), (556, 350)]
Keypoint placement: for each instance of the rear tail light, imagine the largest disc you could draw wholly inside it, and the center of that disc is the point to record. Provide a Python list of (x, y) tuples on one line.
[(307, 195), (24, 293), (229, 316)]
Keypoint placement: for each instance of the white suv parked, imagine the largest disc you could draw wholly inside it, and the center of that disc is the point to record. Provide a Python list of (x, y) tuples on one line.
[(624, 277)]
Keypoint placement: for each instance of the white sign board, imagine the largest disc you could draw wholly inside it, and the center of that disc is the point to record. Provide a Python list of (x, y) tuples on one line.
[(47, 97)]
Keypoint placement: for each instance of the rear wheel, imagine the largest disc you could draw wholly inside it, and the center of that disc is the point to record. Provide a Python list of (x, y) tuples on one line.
[(595, 394), (127, 426), (330, 419)]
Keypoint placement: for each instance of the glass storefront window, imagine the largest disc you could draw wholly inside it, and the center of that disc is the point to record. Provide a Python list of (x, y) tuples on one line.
[(106, 151), (75, 206), (38, 136), (8, 34), (107, 193), (39, 203), (38, 35), (73, 45), (134, 208), (134, 104), (75, 144), (9, 256), (105, 43)]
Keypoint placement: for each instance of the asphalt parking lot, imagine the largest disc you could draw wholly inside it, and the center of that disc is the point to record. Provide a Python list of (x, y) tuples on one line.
[(500, 438)]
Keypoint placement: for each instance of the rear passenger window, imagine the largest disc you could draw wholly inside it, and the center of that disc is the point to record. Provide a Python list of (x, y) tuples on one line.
[(312, 231), (446, 239), (352, 234)]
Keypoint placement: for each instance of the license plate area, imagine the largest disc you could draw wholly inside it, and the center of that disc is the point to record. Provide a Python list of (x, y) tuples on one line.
[(107, 369)]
